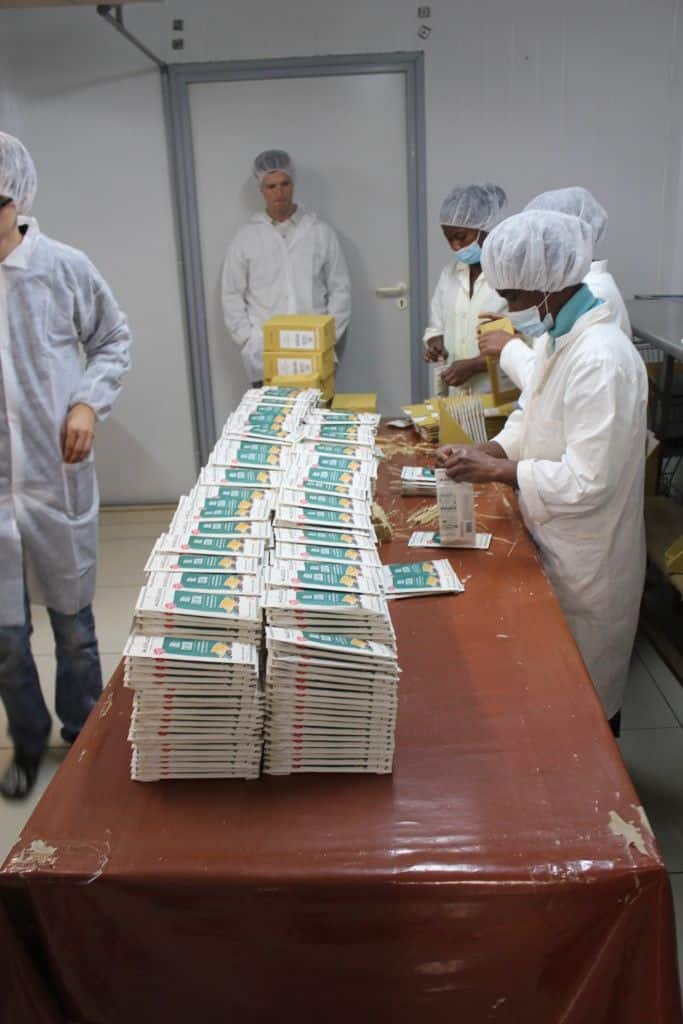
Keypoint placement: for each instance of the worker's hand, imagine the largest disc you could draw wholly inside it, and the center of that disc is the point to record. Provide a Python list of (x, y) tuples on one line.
[(79, 433), (460, 371), (470, 463), (443, 454), (435, 350), (492, 344), (491, 448), (478, 464)]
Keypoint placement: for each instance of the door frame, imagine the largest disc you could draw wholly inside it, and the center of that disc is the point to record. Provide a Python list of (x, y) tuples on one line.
[(181, 154)]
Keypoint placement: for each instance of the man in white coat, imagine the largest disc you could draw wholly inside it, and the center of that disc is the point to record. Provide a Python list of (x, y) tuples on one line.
[(64, 349), (576, 451), (516, 355), (462, 293), (285, 260)]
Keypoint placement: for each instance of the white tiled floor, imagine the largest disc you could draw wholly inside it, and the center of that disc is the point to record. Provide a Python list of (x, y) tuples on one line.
[(652, 732), (651, 744), (126, 537)]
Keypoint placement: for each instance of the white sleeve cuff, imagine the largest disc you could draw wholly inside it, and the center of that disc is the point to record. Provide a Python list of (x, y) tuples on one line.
[(509, 437), (515, 360), (85, 397), (431, 332), (509, 445)]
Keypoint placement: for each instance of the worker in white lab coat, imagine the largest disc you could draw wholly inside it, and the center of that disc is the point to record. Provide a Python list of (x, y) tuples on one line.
[(516, 355), (576, 451), (462, 293), (64, 349), (284, 260)]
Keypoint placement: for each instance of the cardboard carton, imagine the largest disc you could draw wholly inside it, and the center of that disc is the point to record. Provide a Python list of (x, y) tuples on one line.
[(366, 402), (291, 364), (299, 333)]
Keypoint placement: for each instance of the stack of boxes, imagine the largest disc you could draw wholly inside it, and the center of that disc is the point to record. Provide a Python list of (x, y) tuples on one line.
[(298, 351)]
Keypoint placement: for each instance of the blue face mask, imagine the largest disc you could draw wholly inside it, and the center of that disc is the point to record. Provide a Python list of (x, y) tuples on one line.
[(529, 322), (470, 254)]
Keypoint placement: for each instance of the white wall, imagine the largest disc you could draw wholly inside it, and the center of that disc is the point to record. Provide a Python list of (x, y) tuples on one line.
[(533, 94), (89, 109)]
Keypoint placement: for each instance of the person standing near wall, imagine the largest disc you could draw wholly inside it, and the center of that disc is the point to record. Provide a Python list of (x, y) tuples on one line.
[(285, 260), (64, 349)]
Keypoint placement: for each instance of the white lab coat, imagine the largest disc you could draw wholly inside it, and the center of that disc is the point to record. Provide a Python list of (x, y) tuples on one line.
[(455, 315), (580, 447), (266, 274), (517, 357), (54, 306), (604, 287)]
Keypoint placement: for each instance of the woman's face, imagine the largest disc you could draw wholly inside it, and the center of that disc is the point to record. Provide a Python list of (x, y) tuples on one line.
[(459, 238)]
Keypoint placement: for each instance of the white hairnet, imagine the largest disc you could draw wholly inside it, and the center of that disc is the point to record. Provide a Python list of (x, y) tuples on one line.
[(272, 160), (538, 250), (473, 206), (18, 179), (577, 201)]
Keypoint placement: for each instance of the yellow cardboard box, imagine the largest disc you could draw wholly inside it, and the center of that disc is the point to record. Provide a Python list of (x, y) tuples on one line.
[(327, 388), (503, 323), (313, 380), (502, 388), (292, 364), (301, 333), (673, 556), (306, 380), (355, 402), (425, 418)]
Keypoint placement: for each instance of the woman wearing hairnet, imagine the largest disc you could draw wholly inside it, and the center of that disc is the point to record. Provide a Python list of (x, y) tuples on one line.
[(462, 294), (576, 451), (516, 357), (54, 306)]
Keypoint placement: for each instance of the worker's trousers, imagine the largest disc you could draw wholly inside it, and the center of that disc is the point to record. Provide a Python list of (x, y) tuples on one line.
[(78, 678)]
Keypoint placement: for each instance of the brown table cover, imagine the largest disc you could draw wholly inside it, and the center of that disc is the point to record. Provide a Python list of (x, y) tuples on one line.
[(504, 873)]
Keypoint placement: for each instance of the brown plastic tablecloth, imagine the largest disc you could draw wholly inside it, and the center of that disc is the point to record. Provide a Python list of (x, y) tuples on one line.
[(504, 873)]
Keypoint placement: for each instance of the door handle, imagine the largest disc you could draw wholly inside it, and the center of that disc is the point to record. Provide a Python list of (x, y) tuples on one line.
[(392, 291)]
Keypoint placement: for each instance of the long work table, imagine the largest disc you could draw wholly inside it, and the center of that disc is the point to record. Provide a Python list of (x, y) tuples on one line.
[(504, 873)]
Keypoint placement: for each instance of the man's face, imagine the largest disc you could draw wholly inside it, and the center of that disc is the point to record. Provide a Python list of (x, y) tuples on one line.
[(518, 300), (8, 216), (277, 188), (460, 238)]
